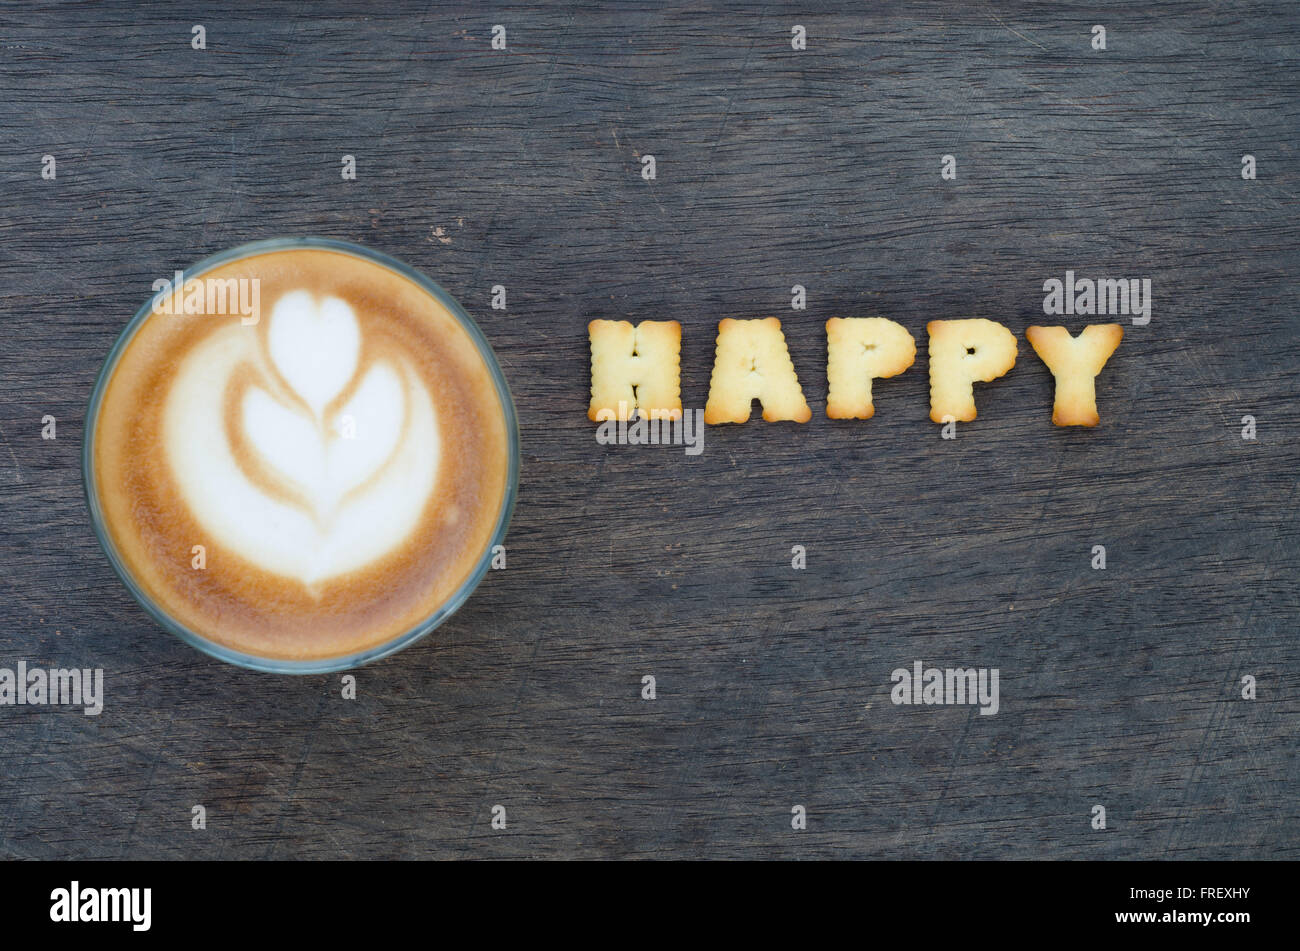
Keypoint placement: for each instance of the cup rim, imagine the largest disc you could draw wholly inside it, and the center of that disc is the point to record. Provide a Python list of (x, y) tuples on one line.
[(357, 658)]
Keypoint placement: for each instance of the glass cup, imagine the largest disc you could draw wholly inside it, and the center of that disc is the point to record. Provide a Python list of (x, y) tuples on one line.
[(406, 638)]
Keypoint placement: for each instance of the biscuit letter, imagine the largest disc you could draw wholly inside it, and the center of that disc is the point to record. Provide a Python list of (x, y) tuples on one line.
[(635, 368), (858, 350), (752, 362), (1075, 362), (962, 352)]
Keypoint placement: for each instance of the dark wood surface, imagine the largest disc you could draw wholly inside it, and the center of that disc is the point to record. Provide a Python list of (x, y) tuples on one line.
[(774, 167)]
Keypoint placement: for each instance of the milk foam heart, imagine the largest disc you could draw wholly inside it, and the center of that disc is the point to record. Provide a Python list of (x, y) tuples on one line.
[(328, 461), (297, 485), (311, 486), (315, 344)]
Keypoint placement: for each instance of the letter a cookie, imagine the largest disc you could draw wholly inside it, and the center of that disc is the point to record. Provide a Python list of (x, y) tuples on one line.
[(752, 362)]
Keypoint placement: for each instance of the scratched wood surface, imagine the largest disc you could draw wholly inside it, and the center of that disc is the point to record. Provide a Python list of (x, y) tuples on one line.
[(522, 167)]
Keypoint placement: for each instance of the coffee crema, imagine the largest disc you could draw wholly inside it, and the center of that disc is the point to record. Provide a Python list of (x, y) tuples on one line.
[(309, 483)]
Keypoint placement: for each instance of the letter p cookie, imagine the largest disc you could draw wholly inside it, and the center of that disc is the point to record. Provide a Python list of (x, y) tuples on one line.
[(858, 350), (963, 352)]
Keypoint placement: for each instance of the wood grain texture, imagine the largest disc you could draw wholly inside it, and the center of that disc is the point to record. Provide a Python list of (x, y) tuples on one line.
[(775, 167)]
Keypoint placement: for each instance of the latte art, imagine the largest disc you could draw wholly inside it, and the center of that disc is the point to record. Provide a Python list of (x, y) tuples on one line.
[(311, 486), (324, 465)]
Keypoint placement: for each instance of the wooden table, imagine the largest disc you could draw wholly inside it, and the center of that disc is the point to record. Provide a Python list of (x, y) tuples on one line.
[(774, 167)]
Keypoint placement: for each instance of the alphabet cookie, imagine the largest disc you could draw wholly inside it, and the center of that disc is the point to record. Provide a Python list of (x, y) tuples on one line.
[(635, 368), (1075, 362), (859, 350), (752, 362), (963, 352)]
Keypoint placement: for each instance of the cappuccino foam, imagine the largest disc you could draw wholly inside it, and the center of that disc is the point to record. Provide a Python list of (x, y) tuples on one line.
[(341, 459)]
